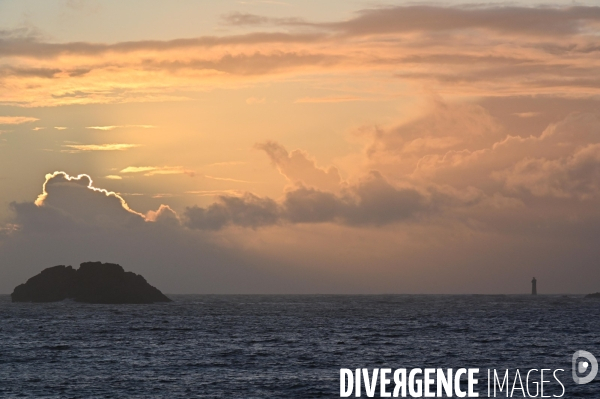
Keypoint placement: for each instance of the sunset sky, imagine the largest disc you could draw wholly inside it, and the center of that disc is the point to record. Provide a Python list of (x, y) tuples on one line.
[(284, 146)]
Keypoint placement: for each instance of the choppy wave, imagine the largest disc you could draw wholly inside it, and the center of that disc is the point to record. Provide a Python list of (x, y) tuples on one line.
[(256, 346)]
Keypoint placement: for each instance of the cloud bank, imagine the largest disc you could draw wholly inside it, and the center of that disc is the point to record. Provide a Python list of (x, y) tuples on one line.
[(372, 201), (467, 50)]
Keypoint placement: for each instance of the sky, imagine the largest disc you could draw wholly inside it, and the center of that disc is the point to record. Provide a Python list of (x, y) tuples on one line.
[(339, 147)]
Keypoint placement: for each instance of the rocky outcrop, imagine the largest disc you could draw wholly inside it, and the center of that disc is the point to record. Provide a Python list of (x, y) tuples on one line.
[(93, 282), (593, 296)]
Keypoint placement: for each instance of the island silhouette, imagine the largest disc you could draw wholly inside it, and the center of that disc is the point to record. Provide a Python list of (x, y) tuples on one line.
[(93, 282)]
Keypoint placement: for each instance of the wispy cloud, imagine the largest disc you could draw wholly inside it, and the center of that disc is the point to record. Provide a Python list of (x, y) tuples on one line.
[(60, 127), (113, 177), (227, 179), (113, 127), (212, 193), (138, 169), (238, 18), (230, 163), (331, 99), (98, 147), (173, 171), (158, 170), (526, 114), (16, 120)]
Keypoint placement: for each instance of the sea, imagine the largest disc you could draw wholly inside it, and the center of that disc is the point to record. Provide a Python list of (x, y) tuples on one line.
[(286, 346)]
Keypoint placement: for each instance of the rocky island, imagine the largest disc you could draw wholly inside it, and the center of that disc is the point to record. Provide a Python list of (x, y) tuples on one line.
[(93, 282), (593, 296)]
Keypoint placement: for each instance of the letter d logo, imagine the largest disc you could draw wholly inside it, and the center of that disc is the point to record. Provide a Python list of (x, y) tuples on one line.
[(581, 367)]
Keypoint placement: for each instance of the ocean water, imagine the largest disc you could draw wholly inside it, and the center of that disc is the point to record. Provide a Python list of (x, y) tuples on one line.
[(237, 346)]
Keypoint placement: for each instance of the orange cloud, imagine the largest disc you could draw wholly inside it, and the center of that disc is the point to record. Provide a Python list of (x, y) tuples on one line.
[(158, 170), (216, 193), (16, 120), (98, 147), (227, 179), (483, 50), (298, 167), (107, 128), (331, 99)]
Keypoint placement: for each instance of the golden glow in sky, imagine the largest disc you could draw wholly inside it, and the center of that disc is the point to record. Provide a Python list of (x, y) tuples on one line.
[(302, 147)]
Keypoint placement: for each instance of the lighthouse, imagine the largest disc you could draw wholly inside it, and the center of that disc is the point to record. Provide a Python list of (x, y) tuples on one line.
[(533, 287)]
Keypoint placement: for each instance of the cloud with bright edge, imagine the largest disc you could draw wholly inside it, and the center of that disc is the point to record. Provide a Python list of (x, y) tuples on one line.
[(62, 179), (72, 220)]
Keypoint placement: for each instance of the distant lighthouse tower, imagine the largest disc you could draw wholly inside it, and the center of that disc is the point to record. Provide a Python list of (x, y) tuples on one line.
[(533, 287)]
